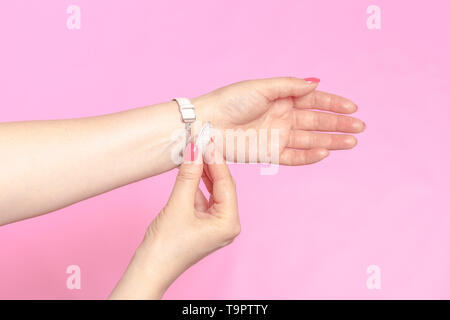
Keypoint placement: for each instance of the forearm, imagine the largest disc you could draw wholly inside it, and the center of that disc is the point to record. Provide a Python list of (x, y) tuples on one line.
[(47, 165), (151, 271)]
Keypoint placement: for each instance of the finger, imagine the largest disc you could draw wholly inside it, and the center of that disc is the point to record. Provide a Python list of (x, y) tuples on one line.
[(323, 121), (223, 185), (200, 202), (325, 101), (299, 139), (188, 176), (206, 179), (283, 87), (294, 157)]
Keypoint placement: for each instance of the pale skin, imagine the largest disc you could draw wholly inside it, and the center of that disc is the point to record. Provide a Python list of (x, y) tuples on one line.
[(48, 165), (187, 229)]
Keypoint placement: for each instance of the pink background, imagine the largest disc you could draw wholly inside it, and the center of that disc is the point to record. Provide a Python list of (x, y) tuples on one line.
[(307, 232)]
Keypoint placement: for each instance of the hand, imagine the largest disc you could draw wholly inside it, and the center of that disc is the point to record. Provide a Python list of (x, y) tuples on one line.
[(187, 229), (284, 104)]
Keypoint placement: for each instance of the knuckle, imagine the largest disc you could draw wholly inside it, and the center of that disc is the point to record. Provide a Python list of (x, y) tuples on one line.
[(237, 230), (312, 140), (233, 182), (233, 231), (187, 175), (317, 120), (290, 79)]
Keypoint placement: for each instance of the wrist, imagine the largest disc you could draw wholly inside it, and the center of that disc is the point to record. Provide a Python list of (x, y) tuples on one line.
[(203, 109), (160, 262), (166, 131), (167, 141), (144, 279)]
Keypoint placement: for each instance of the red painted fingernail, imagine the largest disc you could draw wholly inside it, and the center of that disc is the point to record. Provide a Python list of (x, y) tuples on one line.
[(191, 152), (212, 140), (312, 80)]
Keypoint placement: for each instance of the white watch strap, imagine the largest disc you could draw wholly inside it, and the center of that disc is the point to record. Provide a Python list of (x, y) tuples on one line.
[(187, 109)]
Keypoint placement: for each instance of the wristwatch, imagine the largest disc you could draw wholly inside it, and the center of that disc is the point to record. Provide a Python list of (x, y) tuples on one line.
[(187, 111)]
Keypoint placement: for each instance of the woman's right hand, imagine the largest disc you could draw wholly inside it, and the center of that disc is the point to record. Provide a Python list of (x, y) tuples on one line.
[(187, 229)]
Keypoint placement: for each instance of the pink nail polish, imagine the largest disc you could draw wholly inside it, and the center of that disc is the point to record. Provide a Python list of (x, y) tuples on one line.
[(312, 80), (191, 152)]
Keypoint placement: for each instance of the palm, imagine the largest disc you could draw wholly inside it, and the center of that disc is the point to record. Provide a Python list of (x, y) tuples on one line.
[(284, 104), (258, 113)]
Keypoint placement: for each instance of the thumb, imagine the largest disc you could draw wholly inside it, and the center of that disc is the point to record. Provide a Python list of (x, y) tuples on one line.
[(189, 175), (283, 87)]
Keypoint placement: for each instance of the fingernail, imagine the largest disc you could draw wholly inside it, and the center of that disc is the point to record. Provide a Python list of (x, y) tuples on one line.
[(210, 151), (350, 107), (312, 80), (350, 141), (359, 126), (191, 152), (324, 153)]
